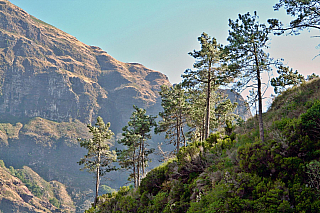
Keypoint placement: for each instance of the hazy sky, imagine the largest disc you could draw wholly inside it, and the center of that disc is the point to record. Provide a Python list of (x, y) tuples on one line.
[(160, 33)]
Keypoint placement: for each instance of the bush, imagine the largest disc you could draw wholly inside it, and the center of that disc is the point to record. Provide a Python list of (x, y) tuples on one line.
[(54, 201), (311, 121)]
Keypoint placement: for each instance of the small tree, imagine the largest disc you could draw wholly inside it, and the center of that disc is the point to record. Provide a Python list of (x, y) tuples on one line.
[(174, 115), (210, 71), (135, 134), (99, 157), (129, 158), (312, 76)]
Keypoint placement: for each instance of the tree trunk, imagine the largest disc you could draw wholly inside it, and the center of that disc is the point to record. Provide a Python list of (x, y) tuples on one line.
[(142, 156), (134, 166), (184, 137), (207, 124), (178, 136), (138, 165), (97, 181), (261, 130)]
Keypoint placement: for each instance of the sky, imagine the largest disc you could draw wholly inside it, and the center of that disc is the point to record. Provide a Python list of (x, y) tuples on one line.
[(159, 34)]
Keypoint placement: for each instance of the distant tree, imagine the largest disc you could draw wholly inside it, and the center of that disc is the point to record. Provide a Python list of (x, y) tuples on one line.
[(210, 71), (247, 41), (174, 115), (306, 13), (99, 157), (197, 114), (129, 158), (136, 133), (312, 76), (286, 78)]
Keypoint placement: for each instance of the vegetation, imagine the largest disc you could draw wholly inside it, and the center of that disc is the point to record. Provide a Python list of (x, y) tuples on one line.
[(99, 157), (211, 72), (174, 115), (135, 135), (243, 169), (240, 173)]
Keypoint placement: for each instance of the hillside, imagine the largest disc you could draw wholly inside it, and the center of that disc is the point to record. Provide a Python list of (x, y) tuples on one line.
[(23, 190), (48, 73), (239, 173)]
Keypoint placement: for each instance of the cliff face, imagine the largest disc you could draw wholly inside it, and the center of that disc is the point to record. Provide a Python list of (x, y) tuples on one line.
[(47, 73)]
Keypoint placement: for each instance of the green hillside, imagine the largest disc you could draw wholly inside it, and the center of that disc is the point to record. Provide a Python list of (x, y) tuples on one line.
[(239, 173)]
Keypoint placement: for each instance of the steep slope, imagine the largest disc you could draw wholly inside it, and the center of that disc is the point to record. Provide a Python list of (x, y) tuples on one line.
[(240, 174), (51, 86), (31, 193)]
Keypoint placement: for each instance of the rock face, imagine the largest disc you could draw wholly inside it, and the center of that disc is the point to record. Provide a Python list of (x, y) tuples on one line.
[(242, 109), (47, 73)]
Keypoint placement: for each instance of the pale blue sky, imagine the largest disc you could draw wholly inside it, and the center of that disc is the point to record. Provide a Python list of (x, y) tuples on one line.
[(159, 34)]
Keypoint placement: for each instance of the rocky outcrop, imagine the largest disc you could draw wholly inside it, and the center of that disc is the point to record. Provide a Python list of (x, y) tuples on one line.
[(242, 109), (51, 86), (15, 196)]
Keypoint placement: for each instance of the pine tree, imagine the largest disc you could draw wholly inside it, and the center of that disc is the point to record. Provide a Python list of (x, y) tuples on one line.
[(286, 78), (246, 49), (306, 13), (136, 133), (210, 71), (99, 157), (174, 115)]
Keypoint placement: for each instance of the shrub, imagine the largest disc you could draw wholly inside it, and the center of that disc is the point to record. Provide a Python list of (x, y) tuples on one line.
[(54, 201), (311, 121)]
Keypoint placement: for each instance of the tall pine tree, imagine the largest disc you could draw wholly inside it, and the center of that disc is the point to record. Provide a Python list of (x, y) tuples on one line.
[(210, 71), (247, 43), (99, 157)]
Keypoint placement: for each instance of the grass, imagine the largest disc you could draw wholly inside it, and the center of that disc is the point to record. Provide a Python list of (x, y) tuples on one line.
[(40, 21)]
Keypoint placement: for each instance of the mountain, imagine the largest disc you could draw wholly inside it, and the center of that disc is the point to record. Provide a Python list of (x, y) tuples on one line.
[(239, 173), (48, 73), (51, 86)]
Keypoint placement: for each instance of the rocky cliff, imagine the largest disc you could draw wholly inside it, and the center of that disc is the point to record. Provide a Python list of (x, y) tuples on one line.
[(45, 72)]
